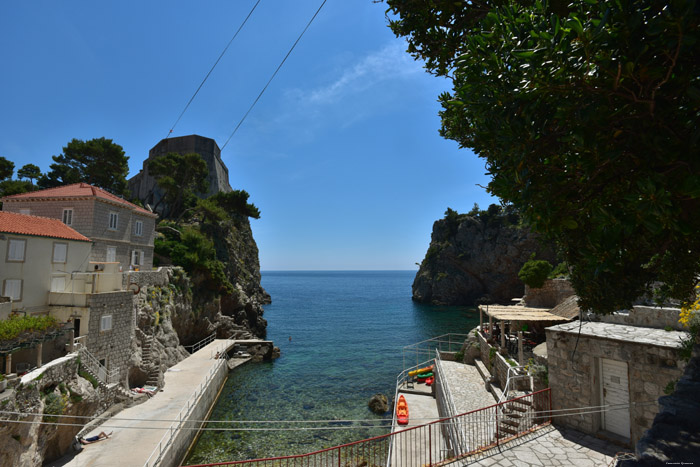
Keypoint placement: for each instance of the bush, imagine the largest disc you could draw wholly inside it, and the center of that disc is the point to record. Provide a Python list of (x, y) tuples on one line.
[(53, 405), (535, 272), (16, 325)]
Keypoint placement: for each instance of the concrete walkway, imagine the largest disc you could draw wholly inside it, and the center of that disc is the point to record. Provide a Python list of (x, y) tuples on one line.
[(549, 446), (135, 439), (467, 387)]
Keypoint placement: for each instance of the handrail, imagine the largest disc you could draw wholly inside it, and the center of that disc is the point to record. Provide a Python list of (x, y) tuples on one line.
[(206, 341), (98, 369), (174, 427), (454, 434), (510, 378), (427, 346), (478, 424)]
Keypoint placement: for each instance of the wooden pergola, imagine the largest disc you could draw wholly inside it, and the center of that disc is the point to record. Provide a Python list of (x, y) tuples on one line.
[(518, 313)]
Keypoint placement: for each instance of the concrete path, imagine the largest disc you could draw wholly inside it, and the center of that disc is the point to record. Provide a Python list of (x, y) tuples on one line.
[(134, 439), (467, 387), (549, 446), (414, 448)]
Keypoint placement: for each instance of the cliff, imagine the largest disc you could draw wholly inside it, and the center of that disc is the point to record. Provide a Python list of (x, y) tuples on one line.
[(475, 256)]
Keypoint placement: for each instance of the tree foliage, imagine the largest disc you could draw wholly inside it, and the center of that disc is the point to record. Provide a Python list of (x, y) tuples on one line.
[(30, 171), (534, 272), (180, 177), (7, 168), (99, 162), (586, 113)]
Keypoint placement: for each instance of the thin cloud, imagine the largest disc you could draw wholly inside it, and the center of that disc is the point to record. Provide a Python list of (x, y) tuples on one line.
[(389, 63)]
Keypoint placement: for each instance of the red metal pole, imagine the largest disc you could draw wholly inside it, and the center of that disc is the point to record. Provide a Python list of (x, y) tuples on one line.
[(430, 445)]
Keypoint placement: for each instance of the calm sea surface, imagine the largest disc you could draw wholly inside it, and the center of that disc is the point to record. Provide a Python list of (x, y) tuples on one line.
[(347, 330)]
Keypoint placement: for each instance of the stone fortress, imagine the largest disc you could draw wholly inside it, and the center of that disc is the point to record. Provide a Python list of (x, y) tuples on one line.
[(143, 185)]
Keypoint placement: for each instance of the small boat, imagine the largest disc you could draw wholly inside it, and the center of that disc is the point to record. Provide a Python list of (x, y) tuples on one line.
[(402, 411), (429, 380), (421, 370), (424, 375)]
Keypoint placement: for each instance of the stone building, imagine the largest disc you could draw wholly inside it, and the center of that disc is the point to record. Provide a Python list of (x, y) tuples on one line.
[(621, 368), (120, 231), (143, 186)]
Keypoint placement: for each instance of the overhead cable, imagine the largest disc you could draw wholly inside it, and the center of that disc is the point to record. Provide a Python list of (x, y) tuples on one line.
[(273, 75), (212, 69)]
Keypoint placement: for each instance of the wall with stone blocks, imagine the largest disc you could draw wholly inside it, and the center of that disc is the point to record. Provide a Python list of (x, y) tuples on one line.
[(553, 292), (574, 377), (159, 277), (112, 345), (646, 316)]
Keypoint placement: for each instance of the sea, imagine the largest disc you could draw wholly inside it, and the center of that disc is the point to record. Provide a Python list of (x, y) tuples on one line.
[(342, 336)]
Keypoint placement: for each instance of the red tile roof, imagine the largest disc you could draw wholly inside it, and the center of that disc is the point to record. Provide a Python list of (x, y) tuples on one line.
[(77, 190), (24, 224)]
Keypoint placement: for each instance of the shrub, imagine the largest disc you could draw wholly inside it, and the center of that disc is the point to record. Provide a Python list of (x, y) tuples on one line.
[(16, 325), (535, 272), (53, 405)]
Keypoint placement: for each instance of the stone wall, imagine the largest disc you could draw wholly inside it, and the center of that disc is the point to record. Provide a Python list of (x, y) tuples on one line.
[(552, 293), (574, 370), (159, 277), (113, 346), (646, 316)]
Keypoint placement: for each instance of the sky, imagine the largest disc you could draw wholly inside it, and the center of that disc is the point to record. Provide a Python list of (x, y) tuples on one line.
[(341, 154)]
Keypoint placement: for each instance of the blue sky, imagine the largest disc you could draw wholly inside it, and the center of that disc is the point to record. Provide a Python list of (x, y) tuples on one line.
[(341, 154)]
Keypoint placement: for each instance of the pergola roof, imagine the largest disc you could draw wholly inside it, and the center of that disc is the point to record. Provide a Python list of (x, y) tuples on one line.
[(520, 313)]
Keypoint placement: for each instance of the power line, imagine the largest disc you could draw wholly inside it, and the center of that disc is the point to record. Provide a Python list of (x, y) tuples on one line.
[(212, 68), (273, 75)]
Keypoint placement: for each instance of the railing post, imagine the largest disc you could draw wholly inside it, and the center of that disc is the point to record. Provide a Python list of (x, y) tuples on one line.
[(430, 445)]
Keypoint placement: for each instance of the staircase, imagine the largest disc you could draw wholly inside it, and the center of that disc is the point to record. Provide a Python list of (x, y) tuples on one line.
[(152, 368), (515, 418)]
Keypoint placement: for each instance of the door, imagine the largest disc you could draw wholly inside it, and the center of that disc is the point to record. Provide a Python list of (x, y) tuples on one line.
[(76, 327), (615, 392), (111, 254)]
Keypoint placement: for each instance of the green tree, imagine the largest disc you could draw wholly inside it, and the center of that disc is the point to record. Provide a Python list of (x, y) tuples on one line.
[(586, 113), (30, 171), (7, 168), (180, 177), (14, 187), (99, 162), (236, 201)]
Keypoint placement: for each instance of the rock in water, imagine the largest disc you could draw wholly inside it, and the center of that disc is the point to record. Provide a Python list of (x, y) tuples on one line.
[(379, 404)]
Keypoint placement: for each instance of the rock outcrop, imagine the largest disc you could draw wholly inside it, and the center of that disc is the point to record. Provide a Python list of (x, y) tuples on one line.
[(474, 257)]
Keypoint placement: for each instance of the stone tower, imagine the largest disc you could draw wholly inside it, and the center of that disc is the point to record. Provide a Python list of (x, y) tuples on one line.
[(143, 186)]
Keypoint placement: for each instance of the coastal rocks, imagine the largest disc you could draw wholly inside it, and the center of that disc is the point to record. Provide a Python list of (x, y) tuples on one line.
[(475, 257), (379, 404)]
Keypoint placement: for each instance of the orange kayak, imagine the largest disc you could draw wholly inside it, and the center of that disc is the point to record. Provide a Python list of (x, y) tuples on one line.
[(402, 411)]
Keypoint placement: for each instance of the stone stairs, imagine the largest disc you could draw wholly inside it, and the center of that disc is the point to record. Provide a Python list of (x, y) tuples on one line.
[(515, 415), (152, 367)]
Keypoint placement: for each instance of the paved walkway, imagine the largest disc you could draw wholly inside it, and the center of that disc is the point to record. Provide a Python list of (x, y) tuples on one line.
[(136, 435), (549, 446), (467, 387)]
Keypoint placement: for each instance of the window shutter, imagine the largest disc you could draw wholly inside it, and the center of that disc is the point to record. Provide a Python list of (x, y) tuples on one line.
[(60, 251)]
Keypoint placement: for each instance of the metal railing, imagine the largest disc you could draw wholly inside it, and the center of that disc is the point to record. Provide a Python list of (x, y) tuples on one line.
[(453, 436), (174, 428), (204, 342), (514, 373), (422, 445), (97, 369), (424, 350)]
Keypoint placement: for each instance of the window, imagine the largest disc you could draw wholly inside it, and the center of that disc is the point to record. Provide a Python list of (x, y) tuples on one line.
[(68, 216), (113, 220), (58, 284), (137, 258), (26, 212), (106, 323), (15, 249), (13, 289), (138, 228), (60, 251), (111, 254)]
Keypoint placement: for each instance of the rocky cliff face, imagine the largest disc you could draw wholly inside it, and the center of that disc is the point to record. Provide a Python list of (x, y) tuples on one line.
[(470, 258)]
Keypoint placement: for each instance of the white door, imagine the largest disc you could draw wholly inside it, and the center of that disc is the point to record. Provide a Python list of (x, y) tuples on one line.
[(616, 395), (111, 254)]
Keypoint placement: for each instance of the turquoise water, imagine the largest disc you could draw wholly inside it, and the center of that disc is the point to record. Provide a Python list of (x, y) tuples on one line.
[(347, 331)]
